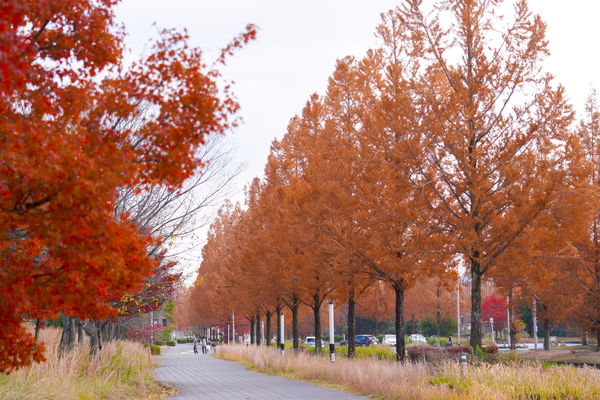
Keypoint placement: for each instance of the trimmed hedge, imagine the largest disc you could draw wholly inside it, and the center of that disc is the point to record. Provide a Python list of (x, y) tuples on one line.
[(171, 343), (491, 349), (154, 350), (433, 354), (182, 340), (158, 343)]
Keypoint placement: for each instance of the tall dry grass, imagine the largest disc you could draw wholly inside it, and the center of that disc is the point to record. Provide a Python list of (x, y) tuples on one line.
[(448, 380), (122, 370)]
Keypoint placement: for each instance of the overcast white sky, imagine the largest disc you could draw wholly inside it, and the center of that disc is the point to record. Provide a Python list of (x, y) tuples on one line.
[(299, 41)]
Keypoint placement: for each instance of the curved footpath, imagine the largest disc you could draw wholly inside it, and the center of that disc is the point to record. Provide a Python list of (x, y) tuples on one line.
[(204, 377)]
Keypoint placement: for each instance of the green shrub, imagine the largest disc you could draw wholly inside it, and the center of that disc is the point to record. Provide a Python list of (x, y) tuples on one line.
[(433, 341), (429, 326), (182, 340), (166, 333), (485, 355), (548, 364), (154, 350), (171, 343), (159, 343), (380, 352), (511, 357)]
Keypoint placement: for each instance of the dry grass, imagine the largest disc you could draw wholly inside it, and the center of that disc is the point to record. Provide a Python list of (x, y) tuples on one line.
[(449, 380), (122, 370)]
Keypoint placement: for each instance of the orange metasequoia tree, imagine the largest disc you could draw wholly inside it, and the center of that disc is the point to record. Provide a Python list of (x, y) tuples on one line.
[(585, 268), (495, 131), (67, 146)]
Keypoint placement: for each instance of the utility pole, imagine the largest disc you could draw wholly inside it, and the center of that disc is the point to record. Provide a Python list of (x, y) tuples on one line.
[(458, 308), (233, 325)]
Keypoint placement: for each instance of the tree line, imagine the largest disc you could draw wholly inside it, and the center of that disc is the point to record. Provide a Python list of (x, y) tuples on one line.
[(445, 150)]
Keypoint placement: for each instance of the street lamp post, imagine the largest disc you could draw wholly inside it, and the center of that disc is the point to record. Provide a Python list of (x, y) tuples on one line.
[(458, 309), (492, 325)]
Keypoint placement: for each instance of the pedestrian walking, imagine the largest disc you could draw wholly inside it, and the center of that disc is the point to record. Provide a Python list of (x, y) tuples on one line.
[(204, 344), (195, 345)]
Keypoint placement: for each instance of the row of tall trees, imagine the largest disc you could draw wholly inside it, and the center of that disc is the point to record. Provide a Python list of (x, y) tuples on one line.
[(446, 148)]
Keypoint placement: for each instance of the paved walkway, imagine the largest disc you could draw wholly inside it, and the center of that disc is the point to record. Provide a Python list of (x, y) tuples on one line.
[(204, 377)]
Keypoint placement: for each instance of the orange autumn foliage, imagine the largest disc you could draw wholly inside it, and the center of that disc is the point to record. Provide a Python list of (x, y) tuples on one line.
[(445, 145), (76, 126)]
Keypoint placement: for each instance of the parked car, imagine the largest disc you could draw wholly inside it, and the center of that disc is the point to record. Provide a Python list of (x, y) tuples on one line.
[(417, 338), (365, 340), (310, 341), (390, 340), (343, 342)]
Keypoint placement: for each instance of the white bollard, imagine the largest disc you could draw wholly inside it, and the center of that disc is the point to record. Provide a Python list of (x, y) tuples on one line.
[(331, 333), (282, 326)]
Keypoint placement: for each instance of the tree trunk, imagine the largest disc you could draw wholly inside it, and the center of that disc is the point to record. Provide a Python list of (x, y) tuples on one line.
[(597, 339), (107, 331), (400, 345), (258, 330), (295, 337), (119, 331), (38, 325), (252, 331), (584, 338), (511, 326), (268, 328), (92, 329), (438, 312), (80, 333), (278, 325), (316, 307), (351, 325), (475, 340), (546, 335), (67, 339)]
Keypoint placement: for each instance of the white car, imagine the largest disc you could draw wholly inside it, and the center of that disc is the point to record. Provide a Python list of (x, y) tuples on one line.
[(417, 338), (390, 340), (310, 341)]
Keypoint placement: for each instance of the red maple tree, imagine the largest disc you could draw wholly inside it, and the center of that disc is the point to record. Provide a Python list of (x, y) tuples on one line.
[(494, 307), (76, 127)]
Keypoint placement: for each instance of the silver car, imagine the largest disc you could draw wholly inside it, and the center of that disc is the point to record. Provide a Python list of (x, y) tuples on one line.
[(390, 340)]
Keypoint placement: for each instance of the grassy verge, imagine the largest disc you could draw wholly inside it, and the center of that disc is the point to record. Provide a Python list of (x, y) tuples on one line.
[(580, 354), (122, 370), (446, 380)]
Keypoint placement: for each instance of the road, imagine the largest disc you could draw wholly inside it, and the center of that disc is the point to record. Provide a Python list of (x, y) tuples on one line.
[(200, 376)]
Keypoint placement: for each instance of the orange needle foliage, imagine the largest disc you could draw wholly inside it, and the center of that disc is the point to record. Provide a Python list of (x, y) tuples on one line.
[(76, 126), (496, 145), (446, 145)]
